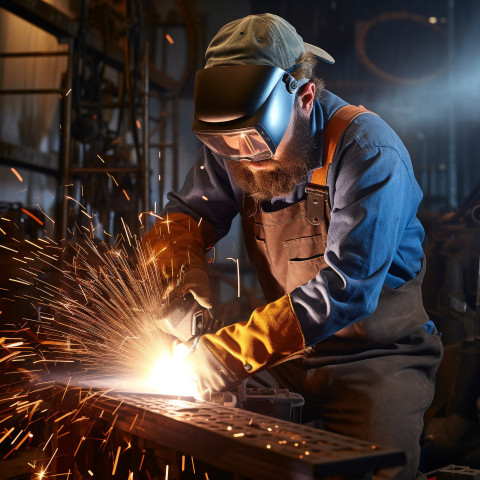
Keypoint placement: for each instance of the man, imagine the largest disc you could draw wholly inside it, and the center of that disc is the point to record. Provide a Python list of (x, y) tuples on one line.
[(339, 256)]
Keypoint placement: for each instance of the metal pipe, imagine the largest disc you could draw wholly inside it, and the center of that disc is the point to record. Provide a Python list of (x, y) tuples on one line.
[(104, 170), (38, 91), (145, 164), (175, 143), (477, 306), (67, 136), (32, 54), (452, 137), (163, 130), (52, 172)]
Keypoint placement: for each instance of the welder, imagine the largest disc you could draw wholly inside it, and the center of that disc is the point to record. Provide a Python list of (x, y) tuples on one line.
[(328, 200)]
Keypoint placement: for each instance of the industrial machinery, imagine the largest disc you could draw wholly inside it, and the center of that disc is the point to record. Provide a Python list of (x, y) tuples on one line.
[(452, 298)]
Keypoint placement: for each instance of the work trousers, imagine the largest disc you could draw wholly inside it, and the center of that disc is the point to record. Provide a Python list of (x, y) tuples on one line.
[(379, 395)]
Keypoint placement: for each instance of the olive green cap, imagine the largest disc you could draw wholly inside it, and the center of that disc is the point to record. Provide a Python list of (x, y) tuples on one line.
[(264, 39)]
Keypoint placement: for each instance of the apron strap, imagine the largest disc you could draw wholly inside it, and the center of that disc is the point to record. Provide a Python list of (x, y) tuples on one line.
[(335, 128), (317, 191)]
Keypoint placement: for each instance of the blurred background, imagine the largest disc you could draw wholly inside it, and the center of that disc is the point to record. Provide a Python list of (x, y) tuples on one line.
[(96, 107), (96, 102), (412, 62)]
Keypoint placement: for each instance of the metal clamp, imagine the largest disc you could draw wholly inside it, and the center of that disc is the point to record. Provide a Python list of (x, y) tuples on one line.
[(317, 201)]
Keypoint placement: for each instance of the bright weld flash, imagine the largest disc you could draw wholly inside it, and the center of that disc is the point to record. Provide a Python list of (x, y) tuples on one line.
[(171, 374)]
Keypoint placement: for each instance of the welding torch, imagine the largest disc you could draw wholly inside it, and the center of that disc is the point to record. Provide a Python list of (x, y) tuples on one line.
[(187, 321)]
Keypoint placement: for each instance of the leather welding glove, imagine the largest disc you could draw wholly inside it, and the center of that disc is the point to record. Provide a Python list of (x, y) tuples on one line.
[(186, 320), (194, 281), (175, 247), (271, 336)]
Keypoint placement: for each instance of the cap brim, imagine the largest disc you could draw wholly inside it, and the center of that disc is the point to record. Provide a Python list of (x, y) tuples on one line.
[(318, 52)]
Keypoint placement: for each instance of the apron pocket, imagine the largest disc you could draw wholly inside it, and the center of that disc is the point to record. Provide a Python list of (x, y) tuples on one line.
[(302, 271), (305, 248), (305, 259)]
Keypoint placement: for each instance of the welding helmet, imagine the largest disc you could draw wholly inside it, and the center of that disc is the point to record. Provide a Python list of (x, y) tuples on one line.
[(242, 111), (245, 95)]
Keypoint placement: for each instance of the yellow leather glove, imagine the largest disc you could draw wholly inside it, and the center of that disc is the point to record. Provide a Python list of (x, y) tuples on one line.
[(271, 336), (176, 247)]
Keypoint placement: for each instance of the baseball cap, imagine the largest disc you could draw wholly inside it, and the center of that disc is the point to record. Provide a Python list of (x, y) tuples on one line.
[(264, 39)]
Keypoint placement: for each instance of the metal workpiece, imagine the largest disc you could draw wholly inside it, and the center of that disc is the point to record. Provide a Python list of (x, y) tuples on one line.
[(246, 443), (455, 472)]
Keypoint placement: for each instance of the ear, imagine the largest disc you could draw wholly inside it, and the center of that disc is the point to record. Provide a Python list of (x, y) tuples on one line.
[(306, 97)]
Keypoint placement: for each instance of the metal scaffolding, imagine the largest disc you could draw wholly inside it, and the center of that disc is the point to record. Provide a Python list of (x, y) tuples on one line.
[(139, 88)]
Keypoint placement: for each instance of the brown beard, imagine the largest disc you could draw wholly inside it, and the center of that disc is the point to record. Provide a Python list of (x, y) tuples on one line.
[(291, 168)]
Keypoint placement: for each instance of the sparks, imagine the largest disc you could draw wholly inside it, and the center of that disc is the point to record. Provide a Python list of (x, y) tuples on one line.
[(116, 460), (34, 244), (171, 375), (238, 274), (20, 179), (8, 248), (73, 200), (100, 316), (31, 215), (38, 206)]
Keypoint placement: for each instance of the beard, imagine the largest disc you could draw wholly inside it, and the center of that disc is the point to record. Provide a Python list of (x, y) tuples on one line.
[(291, 167)]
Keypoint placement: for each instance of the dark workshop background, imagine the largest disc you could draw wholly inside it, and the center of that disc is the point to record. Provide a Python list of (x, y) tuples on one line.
[(80, 121), (413, 62), (84, 117)]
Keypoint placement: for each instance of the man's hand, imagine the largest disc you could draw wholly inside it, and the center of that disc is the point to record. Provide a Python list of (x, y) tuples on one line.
[(186, 320), (174, 252), (195, 281), (271, 336), (175, 247), (211, 374)]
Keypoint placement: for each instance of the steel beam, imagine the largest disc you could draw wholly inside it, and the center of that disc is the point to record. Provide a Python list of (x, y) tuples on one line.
[(235, 440), (50, 19), (28, 158)]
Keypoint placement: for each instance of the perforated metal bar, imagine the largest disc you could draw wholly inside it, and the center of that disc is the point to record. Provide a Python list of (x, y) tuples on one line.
[(247, 443)]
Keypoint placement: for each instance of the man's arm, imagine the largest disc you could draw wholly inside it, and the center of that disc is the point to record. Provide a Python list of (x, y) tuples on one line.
[(374, 203), (207, 194), (374, 207), (192, 221)]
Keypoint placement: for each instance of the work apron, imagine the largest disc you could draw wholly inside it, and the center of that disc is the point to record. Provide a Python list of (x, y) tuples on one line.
[(287, 251), (372, 380)]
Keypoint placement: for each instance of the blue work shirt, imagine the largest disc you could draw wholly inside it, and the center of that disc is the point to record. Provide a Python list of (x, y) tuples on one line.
[(374, 235)]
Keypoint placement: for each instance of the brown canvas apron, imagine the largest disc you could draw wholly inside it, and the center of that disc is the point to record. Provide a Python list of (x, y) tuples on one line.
[(287, 249)]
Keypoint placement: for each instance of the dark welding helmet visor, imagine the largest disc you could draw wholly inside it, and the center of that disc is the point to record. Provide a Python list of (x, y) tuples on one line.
[(242, 111)]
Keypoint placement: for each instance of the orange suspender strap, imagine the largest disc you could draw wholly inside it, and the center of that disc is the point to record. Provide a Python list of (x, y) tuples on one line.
[(317, 191), (335, 128)]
